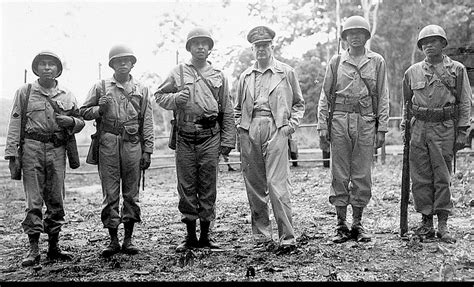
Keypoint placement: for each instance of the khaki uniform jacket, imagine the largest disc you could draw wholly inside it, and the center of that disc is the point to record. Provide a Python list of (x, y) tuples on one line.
[(122, 110), (40, 115), (429, 92), (284, 97), (350, 88), (202, 102)]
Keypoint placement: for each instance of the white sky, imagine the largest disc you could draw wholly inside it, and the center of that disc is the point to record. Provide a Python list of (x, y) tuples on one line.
[(28, 27)]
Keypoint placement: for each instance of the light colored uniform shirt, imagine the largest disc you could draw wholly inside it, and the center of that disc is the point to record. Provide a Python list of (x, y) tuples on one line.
[(430, 92), (121, 110), (262, 82), (350, 88), (40, 115)]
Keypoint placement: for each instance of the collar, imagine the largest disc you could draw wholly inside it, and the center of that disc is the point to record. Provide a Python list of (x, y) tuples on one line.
[(447, 63), (346, 57), (58, 89), (275, 66), (131, 81)]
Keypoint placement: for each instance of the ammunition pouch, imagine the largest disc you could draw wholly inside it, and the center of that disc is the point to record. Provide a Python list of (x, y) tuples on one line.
[(449, 112)]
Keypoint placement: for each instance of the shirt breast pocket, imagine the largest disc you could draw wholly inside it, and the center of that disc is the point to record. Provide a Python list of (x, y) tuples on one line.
[(418, 88), (36, 111)]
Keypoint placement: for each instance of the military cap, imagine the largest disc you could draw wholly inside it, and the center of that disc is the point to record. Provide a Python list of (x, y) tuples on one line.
[(260, 34)]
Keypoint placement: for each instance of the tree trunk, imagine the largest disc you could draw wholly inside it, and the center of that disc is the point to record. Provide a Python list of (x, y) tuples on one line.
[(366, 5)]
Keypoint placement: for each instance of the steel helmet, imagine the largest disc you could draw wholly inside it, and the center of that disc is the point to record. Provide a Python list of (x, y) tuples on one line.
[(199, 33), (34, 64), (431, 31), (355, 22), (118, 51)]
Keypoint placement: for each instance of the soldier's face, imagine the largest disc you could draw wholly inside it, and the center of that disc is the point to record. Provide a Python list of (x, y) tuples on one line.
[(199, 48), (432, 46), (263, 51), (356, 37), (122, 65), (47, 68)]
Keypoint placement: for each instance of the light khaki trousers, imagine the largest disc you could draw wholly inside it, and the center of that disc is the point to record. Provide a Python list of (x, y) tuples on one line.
[(265, 168)]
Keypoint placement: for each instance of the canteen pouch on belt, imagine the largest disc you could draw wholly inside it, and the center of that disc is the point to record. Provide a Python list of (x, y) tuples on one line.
[(130, 134), (72, 153)]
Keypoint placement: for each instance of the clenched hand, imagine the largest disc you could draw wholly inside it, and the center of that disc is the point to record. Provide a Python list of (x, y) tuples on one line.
[(182, 98), (64, 121), (145, 161)]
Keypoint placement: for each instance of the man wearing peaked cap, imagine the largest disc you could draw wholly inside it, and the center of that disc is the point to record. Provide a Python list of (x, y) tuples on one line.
[(268, 110), (260, 34)]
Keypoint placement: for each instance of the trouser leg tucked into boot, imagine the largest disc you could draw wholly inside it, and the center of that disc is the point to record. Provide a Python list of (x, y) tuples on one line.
[(33, 256), (190, 241), (54, 252), (114, 245), (443, 231), (127, 246), (358, 232), (205, 239), (342, 231), (426, 228)]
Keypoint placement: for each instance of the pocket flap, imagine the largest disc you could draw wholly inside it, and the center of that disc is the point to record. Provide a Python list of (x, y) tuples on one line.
[(418, 85), (65, 105), (38, 106)]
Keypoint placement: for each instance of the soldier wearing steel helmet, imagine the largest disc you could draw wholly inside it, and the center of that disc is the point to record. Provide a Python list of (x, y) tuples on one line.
[(438, 91), (268, 110), (126, 142), (44, 152), (198, 93), (359, 121)]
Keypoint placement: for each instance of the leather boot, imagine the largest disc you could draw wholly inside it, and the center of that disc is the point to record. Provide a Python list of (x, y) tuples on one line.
[(33, 256), (114, 245), (54, 252), (205, 239), (426, 228), (190, 240), (342, 231), (127, 246), (358, 232), (443, 231)]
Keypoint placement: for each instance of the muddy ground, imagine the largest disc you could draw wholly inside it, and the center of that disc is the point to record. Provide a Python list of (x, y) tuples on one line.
[(386, 258)]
